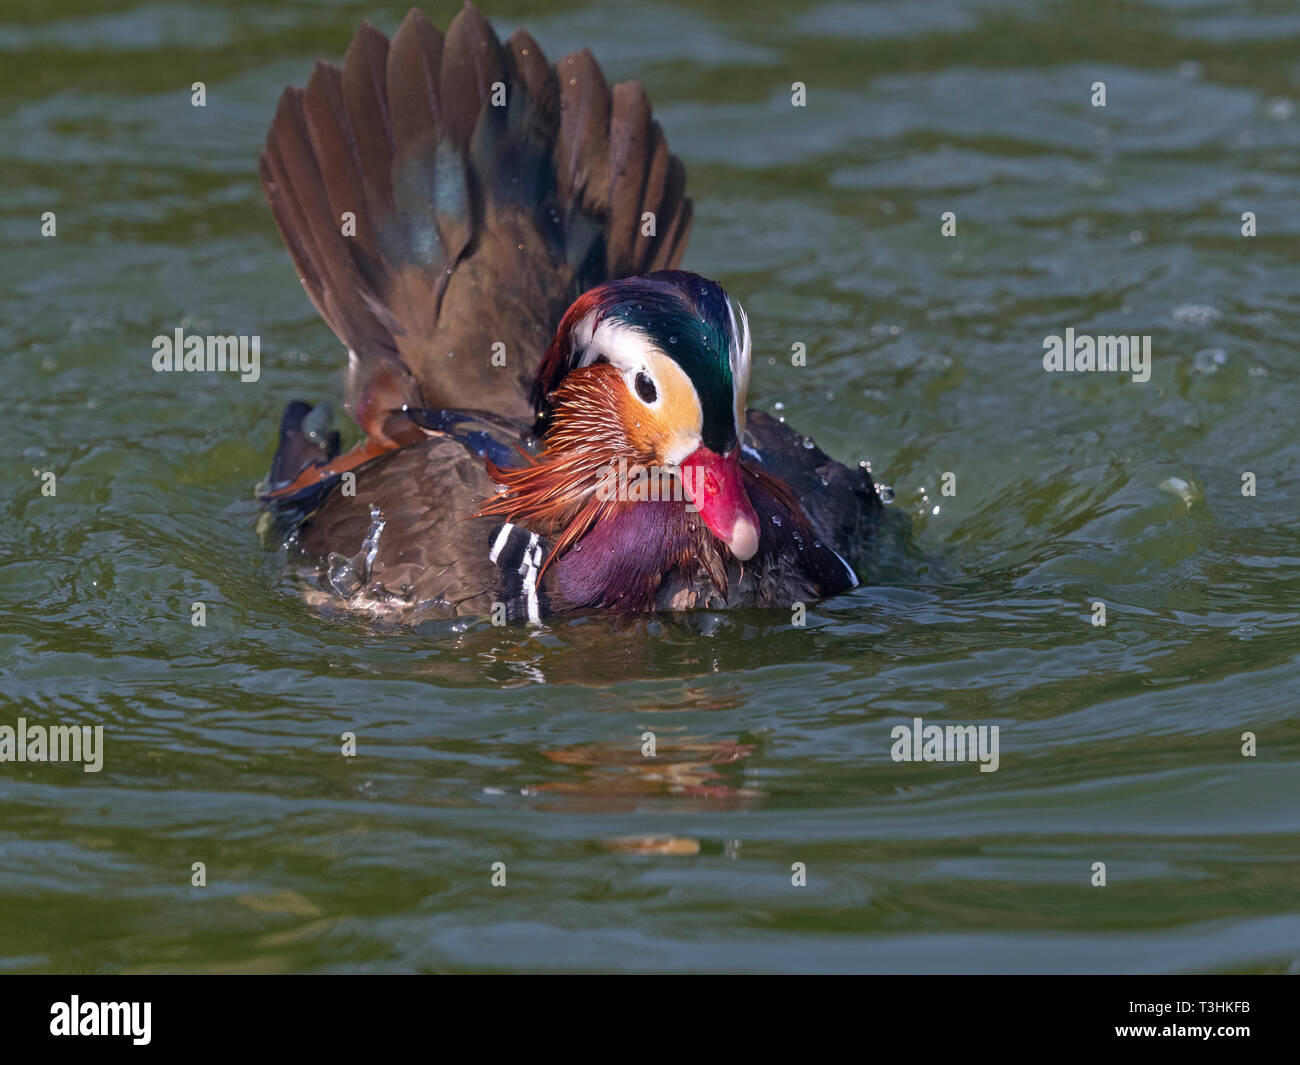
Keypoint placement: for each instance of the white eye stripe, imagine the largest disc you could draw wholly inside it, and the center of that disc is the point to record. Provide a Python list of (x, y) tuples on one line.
[(623, 345)]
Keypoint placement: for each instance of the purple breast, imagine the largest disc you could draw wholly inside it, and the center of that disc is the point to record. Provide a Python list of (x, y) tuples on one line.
[(619, 562)]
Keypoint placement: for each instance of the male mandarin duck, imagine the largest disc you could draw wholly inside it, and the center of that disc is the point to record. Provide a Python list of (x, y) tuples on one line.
[(495, 241)]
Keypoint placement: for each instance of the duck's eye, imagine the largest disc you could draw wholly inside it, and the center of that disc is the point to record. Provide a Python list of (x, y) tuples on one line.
[(645, 388)]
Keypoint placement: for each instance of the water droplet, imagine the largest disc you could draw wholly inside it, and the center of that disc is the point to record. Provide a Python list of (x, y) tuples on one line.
[(1208, 360), (886, 493), (1196, 314), (776, 520), (343, 575), (1186, 491)]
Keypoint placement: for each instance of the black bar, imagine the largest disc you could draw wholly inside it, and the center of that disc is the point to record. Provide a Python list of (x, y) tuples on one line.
[(334, 1013)]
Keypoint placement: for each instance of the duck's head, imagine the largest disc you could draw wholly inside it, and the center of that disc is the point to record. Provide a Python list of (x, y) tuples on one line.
[(653, 370)]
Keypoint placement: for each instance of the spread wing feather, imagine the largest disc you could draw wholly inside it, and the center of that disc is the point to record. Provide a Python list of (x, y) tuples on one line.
[(443, 197)]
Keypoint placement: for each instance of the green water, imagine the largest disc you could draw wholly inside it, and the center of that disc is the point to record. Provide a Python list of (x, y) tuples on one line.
[(1119, 744)]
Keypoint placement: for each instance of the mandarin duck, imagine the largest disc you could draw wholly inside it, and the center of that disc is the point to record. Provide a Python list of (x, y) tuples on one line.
[(553, 416)]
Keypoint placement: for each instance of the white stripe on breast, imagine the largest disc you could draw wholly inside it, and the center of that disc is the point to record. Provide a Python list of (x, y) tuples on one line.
[(500, 542), (532, 560)]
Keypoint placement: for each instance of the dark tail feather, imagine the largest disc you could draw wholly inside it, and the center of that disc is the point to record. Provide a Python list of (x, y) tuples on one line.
[(307, 438), (308, 441), (444, 197)]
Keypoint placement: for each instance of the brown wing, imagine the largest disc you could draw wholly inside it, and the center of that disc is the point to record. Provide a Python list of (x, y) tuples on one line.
[(392, 552), (408, 556), (442, 196)]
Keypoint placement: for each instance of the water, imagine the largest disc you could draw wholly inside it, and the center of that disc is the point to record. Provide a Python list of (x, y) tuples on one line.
[(1119, 744)]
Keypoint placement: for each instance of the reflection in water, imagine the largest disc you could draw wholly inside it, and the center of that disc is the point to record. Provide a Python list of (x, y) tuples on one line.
[(676, 846), (616, 779)]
